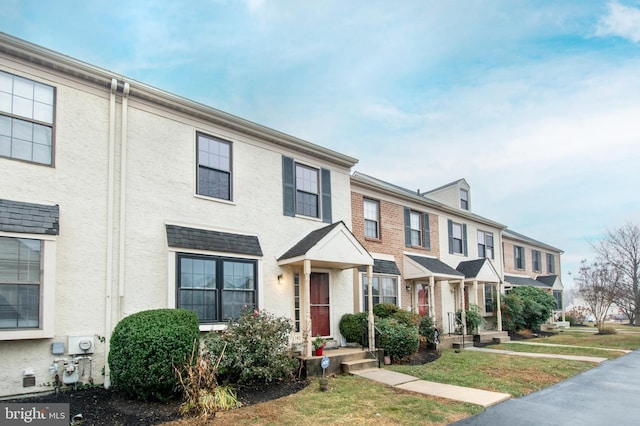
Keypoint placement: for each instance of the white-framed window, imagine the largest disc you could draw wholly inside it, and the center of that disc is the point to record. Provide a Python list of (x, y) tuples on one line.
[(384, 290), (551, 264), (216, 288), (464, 199), (27, 286), (485, 244), (416, 229), (307, 191), (371, 219), (457, 237), (536, 260), (26, 119), (518, 257), (489, 298), (214, 167)]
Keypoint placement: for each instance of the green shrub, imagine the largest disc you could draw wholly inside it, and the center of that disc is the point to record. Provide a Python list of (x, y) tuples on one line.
[(146, 346), (570, 319), (538, 305), (473, 318), (606, 330), (512, 313), (406, 317), (398, 340), (353, 327), (427, 329), (253, 349), (385, 310)]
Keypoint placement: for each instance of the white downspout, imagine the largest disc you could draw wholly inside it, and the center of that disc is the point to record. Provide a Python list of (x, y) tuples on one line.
[(123, 195), (110, 185), (370, 317)]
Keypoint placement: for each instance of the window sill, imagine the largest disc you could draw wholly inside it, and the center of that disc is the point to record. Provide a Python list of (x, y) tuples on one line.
[(25, 334), (204, 328), (218, 200)]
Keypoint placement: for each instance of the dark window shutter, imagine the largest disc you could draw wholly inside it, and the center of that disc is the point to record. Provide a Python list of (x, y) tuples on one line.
[(288, 186), (427, 235), (450, 227), (326, 195), (464, 239), (407, 227)]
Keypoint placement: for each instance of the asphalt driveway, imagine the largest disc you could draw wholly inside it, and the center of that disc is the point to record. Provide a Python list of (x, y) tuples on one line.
[(606, 395)]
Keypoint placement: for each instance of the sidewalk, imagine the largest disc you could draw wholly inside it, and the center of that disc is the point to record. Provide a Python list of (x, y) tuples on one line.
[(595, 359), (413, 384)]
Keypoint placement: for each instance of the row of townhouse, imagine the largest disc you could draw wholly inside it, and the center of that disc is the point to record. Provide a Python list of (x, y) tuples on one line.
[(118, 197)]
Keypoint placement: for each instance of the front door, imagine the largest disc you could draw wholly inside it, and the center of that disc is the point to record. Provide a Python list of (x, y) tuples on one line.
[(319, 295)]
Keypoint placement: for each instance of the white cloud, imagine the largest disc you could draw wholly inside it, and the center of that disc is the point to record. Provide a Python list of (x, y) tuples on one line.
[(621, 21)]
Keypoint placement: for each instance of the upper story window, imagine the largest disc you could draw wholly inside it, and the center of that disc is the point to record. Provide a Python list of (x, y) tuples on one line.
[(216, 288), (464, 199), (485, 244), (551, 264), (20, 282), (214, 167), (306, 190), (536, 260), (371, 219), (416, 227), (518, 255), (457, 238), (26, 119)]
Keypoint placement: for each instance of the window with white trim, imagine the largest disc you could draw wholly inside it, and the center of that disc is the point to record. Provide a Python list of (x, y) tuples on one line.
[(215, 288), (214, 167), (551, 264), (518, 255), (371, 219), (485, 244), (489, 298), (384, 290), (20, 282), (416, 229), (457, 237), (26, 119), (536, 261), (464, 199)]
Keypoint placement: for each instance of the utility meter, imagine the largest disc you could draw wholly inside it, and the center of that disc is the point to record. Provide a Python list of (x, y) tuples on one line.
[(85, 345)]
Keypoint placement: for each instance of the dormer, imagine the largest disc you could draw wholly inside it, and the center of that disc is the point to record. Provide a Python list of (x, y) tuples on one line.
[(455, 194)]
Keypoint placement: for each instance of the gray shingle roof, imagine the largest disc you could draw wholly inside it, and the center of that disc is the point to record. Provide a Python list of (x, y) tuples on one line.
[(17, 216), (547, 280), (436, 266), (307, 243), (388, 267), (471, 268), (201, 239), (523, 281)]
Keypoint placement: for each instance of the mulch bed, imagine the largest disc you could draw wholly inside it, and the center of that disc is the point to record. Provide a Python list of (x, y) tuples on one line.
[(98, 406)]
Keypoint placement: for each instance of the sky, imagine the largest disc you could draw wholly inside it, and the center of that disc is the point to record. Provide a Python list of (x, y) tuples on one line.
[(535, 103)]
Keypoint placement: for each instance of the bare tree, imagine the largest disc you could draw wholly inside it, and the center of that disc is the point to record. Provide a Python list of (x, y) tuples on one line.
[(621, 249), (598, 286)]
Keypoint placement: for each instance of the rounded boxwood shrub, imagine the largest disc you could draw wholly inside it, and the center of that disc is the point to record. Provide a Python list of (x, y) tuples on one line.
[(398, 340), (354, 326), (146, 346), (385, 310)]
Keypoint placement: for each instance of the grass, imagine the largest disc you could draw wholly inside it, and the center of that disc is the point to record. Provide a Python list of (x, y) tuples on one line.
[(495, 372), (353, 400), (559, 350)]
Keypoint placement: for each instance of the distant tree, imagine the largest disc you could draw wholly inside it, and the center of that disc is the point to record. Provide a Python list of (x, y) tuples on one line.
[(598, 285), (621, 249)]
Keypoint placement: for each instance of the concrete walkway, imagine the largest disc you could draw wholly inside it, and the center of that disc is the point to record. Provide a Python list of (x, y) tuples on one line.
[(518, 342), (413, 384), (595, 359)]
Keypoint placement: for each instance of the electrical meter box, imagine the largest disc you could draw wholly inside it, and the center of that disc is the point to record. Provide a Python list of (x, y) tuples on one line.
[(57, 348), (80, 345)]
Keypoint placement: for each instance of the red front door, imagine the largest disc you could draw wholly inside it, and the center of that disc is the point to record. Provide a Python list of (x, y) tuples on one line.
[(319, 287)]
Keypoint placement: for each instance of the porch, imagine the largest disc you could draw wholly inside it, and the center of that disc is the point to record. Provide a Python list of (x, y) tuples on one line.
[(342, 360)]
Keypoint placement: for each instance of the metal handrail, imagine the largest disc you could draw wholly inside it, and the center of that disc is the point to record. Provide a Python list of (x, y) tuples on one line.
[(364, 341)]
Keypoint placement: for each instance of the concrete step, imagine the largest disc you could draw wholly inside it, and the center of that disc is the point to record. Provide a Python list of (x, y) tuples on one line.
[(501, 339), (491, 336), (348, 367)]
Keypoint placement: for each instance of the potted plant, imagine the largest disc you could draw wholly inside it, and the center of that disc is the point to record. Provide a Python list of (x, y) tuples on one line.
[(318, 345)]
